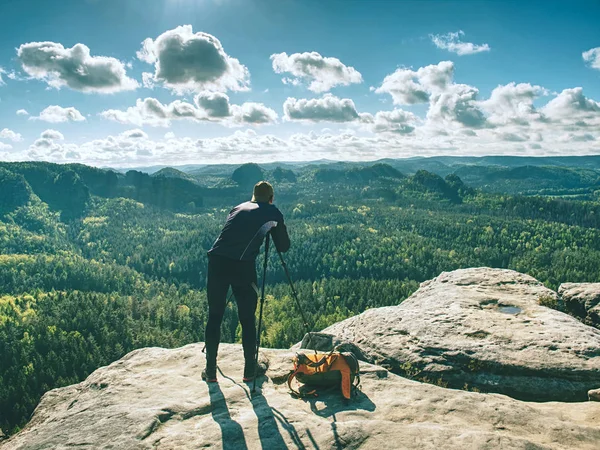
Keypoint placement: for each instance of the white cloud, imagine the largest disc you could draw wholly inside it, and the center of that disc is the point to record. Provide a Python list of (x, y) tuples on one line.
[(409, 87), (456, 121), (134, 148), (10, 75), (209, 107), (215, 104), (120, 150), (11, 135), (456, 106), (13, 76), (253, 113), (396, 121), (512, 137), (326, 109), (571, 106), (291, 81), (47, 148), (22, 112), (148, 80), (574, 137), (513, 103), (186, 61), (592, 57), (52, 135), (74, 67), (452, 42), (403, 88), (58, 114), (135, 134), (323, 73), (4, 146), (450, 104), (151, 112), (50, 150)]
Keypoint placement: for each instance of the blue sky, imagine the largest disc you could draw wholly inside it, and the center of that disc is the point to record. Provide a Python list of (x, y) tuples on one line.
[(539, 53)]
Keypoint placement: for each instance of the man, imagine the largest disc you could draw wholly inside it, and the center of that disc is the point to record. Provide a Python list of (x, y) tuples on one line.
[(231, 262)]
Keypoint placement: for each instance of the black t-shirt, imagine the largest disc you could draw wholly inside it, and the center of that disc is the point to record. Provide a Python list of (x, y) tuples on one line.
[(245, 231)]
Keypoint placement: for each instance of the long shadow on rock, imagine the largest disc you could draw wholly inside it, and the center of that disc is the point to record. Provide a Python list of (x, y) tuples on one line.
[(268, 432), (232, 433), (285, 423), (335, 403)]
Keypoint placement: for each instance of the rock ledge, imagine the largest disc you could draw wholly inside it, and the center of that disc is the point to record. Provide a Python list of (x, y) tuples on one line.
[(482, 329), (154, 398)]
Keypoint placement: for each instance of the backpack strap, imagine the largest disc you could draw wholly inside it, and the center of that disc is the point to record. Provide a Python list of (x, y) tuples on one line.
[(295, 392), (352, 362), (356, 385), (346, 384), (304, 360)]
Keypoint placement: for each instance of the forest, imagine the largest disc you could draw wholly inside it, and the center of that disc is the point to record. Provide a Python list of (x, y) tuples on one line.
[(95, 263)]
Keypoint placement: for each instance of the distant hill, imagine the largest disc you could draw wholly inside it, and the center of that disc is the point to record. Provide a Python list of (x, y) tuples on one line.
[(15, 190), (165, 192), (452, 188), (282, 175), (188, 185), (529, 179), (170, 172), (560, 175), (441, 165), (356, 174), (247, 175), (590, 162), (68, 187), (410, 166)]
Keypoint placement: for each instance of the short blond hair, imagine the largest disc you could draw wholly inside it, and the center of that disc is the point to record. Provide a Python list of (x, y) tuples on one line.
[(263, 192)]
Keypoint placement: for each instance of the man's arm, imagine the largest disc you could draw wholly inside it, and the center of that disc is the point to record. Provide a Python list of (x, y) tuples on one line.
[(281, 237)]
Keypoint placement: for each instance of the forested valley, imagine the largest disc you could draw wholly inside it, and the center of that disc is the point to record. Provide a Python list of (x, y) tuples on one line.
[(95, 263)]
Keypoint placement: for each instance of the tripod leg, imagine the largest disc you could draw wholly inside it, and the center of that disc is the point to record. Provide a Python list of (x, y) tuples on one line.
[(307, 328), (294, 293), (262, 302)]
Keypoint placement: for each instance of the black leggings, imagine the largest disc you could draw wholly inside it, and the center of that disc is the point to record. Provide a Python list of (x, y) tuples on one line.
[(241, 276)]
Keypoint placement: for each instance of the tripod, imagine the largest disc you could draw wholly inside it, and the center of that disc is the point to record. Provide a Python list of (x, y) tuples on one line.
[(262, 301)]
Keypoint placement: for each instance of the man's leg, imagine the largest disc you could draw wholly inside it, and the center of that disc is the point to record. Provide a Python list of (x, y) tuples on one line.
[(247, 299), (216, 289)]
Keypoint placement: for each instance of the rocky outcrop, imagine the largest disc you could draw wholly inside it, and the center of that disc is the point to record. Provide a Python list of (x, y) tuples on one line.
[(582, 300), (154, 398), (482, 329)]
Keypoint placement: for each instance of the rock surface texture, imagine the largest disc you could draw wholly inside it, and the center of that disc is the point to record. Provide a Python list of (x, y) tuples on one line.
[(482, 328), (154, 398), (583, 301)]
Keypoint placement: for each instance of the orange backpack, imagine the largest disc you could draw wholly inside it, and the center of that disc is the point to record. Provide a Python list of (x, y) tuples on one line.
[(324, 370)]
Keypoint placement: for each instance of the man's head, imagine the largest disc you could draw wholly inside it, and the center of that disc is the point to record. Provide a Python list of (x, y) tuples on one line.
[(263, 192)]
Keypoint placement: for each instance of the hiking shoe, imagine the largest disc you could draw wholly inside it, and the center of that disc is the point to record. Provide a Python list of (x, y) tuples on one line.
[(210, 376), (249, 371)]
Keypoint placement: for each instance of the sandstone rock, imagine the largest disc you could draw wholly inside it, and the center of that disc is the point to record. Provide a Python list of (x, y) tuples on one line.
[(582, 300), (154, 398), (485, 329), (594, 395)]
